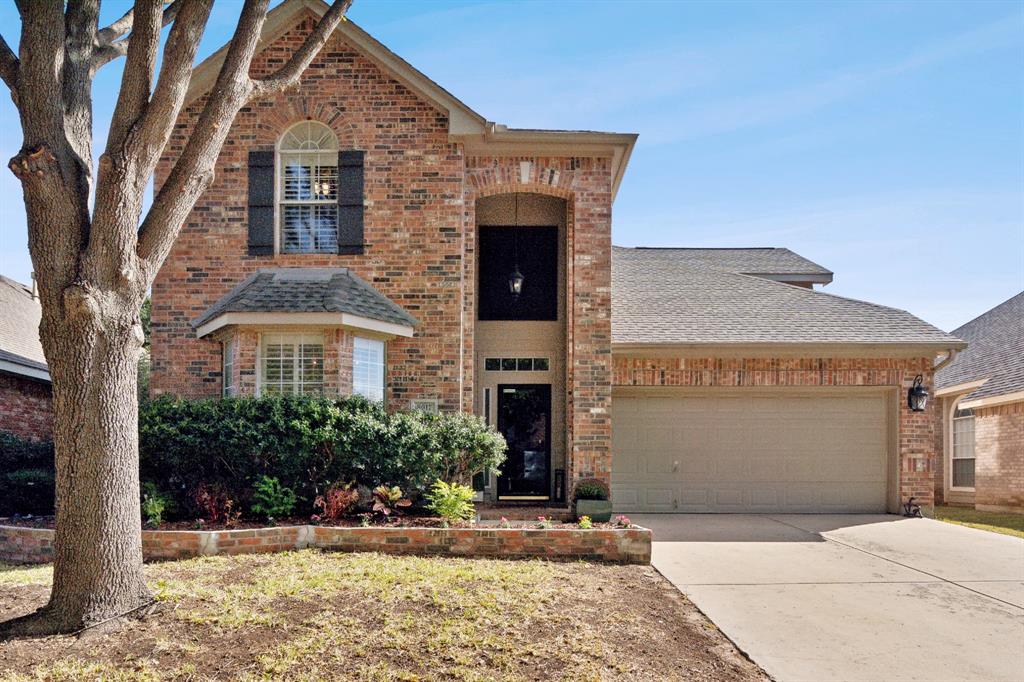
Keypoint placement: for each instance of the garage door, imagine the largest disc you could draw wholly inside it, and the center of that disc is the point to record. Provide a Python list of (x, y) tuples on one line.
[(735, 451)]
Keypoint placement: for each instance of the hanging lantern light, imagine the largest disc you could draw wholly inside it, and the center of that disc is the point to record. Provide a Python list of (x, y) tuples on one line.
[(515, 280), (917, 396)]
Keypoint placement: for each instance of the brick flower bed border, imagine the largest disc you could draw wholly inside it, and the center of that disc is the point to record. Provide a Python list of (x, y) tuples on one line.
[(611, 545)]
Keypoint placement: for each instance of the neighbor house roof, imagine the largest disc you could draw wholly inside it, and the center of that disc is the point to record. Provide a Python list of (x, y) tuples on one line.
[(770, 262), (662, 297), (20, 350), (320, 296), (994, 353), (479, 135)]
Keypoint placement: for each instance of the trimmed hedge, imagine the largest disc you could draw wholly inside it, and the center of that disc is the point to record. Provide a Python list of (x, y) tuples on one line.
[(307, 444), (26, 475)]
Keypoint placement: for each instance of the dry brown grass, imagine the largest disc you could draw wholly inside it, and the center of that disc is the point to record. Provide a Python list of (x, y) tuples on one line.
[(310, 615)]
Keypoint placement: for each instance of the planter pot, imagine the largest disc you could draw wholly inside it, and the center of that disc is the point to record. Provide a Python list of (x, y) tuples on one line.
[(599, 511)]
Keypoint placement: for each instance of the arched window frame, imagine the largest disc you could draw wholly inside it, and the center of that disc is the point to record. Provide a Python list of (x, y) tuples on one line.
[(306, 212)]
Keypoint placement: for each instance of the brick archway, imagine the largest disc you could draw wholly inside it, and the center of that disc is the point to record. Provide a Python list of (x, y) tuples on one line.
[(291, 110)]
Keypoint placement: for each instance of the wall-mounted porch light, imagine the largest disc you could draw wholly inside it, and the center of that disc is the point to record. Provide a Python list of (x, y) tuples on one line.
[(917, 396)]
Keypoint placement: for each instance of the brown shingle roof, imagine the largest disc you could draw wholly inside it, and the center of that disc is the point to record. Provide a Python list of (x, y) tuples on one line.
[(307, 290), (19, 325), (662, 297), (995, 351)]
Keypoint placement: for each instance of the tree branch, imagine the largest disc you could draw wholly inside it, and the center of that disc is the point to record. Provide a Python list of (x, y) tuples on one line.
[(112, 41), (123, 26), (9, 66), (289, 74), (193, 171)]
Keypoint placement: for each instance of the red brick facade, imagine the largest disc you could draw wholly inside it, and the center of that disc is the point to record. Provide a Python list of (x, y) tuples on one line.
[(999, 449), (612, 545), (421, 190), (915, 430), (26, 407)]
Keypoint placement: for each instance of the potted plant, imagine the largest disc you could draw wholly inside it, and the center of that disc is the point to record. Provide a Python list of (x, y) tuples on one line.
[(591, 498)]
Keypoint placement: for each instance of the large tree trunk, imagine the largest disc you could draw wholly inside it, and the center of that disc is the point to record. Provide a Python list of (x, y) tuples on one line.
[(94, 348), (98, 547), (94, 267)]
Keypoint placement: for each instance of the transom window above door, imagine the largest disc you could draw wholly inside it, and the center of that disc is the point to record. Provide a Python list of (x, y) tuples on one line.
[(308, 189)]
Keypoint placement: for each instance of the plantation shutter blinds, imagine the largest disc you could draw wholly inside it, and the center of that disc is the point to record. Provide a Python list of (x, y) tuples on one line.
[(350, 201), (261, 203)]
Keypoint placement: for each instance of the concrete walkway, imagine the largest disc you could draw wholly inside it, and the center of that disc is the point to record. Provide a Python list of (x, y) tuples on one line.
[(852, 597)]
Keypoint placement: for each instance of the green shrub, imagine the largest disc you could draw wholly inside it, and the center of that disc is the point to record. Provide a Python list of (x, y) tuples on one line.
[(26, 475), (307, 444), (153, 505), (272, 500), (451, 501), (590, 489)]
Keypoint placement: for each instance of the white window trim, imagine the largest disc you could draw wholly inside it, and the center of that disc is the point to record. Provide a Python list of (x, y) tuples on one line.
[(951, 448), (952, 452), (290, 333), (384, 363), (279, 200)]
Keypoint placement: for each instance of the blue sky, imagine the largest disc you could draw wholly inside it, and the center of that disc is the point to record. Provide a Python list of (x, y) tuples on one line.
[(882, 140)]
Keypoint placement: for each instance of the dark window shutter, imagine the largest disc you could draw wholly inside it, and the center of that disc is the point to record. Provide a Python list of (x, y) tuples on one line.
[(261, 203), (350, 201)]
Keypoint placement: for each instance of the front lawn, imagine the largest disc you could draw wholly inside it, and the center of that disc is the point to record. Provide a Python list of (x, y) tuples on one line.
[(997, 522), (313, 615)]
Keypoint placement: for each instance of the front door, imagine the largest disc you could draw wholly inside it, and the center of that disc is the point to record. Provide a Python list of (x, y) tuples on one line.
[(524, 418)]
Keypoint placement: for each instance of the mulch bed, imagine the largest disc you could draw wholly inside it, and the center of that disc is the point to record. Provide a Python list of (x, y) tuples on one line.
[(408, 521)]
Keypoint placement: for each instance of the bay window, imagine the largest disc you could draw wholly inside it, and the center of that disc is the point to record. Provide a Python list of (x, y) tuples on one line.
[(292, 364), (368, 368)]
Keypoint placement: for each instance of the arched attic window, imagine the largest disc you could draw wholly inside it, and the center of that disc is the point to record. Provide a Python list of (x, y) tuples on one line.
[(308, 189)]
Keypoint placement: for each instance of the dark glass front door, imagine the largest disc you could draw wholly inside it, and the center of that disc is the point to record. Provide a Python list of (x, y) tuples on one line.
[(524, 418)]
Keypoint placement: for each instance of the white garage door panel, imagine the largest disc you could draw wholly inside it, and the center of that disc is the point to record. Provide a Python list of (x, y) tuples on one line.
[(750, 453)]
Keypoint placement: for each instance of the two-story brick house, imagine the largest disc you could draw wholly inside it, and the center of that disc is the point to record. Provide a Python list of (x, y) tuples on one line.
[(368, 233)]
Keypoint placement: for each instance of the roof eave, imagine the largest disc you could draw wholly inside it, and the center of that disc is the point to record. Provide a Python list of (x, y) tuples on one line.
[(24, 370), (299, 319), (787, 349)]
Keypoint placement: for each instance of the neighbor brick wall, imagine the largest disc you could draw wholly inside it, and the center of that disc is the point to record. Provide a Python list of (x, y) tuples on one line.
[(999, 452), (916, 437), (26, 407)]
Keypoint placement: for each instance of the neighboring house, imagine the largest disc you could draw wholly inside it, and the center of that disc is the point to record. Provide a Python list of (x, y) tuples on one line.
[(25, 399), (368, 233), (981, 437)]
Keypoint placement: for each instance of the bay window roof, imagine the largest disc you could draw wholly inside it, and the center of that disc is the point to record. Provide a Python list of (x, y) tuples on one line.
[(307, 296)]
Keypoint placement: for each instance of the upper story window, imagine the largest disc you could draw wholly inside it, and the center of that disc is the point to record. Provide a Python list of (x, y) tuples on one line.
[(530, 252), (308, 189)]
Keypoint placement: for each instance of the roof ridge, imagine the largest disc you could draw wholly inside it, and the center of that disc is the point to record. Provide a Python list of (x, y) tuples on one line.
[(993, 311)]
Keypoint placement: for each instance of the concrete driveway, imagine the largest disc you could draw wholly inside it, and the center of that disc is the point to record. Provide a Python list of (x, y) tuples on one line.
[(852, 597)]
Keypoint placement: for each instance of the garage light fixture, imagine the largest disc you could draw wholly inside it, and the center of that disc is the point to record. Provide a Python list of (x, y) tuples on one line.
[(917, 396)]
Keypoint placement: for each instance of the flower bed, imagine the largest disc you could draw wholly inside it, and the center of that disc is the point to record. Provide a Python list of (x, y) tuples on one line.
[(613, 545)]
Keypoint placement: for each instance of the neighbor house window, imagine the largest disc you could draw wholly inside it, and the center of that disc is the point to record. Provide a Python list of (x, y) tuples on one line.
[(228, 368), (292, 364), (368, 368), (308, 189), (963, 450)]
